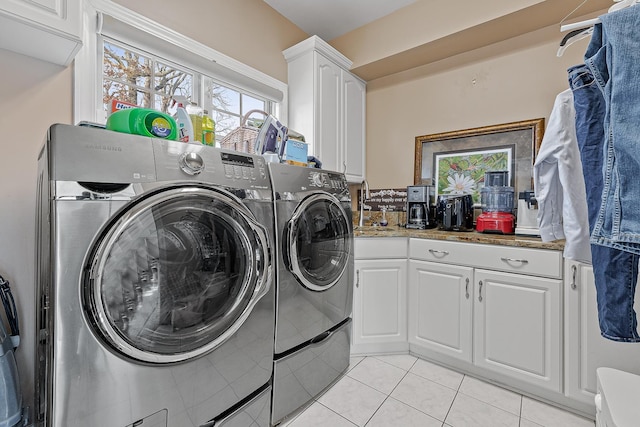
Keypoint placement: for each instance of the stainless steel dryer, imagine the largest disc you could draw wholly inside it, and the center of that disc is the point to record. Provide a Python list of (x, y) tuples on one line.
[(155, 294), (314, 239)]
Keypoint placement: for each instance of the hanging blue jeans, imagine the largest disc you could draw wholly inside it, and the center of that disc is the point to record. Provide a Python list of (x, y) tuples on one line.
[(615, 271), (612, 57)]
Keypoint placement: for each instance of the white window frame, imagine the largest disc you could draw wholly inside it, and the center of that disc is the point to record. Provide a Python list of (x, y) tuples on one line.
[(88, 105)]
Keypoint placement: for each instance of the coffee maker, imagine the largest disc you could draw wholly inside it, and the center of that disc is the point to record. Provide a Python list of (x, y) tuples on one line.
[(420, 213)]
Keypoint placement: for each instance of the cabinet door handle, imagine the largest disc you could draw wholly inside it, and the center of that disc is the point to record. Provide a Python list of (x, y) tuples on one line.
[(522, 261), (480, 291), (435, 252), (344, 167), (466, 288), (574, 271), (357, 278)]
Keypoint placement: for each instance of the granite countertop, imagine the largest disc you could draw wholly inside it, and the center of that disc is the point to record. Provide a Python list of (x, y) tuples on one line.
[(462, 236)]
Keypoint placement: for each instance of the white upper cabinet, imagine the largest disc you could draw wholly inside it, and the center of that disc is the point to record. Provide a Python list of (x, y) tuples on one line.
[(49, 30), (327, 105)]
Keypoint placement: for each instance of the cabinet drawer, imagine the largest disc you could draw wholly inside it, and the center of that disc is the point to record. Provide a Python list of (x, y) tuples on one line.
[(537, 262), (380, 247)]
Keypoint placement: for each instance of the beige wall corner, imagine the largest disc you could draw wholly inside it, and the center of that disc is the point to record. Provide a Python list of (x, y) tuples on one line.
[(510, 81), (33, 95), (431, 30), (249, 31)]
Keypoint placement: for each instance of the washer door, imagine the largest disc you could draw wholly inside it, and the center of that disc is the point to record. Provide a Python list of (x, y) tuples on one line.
[(176, 274), (318, 243)]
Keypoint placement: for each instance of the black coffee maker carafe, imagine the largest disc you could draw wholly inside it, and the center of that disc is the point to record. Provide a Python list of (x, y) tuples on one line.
[(420, 212)]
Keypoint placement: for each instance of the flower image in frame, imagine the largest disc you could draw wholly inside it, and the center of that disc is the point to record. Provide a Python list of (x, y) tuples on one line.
[(459, 184), (462, 172)]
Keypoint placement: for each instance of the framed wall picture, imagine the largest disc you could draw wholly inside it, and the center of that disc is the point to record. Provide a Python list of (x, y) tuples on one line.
[(455, 162), (462, 171)]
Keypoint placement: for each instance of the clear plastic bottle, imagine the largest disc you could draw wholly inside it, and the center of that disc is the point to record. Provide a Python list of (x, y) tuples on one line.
[(196, 115)]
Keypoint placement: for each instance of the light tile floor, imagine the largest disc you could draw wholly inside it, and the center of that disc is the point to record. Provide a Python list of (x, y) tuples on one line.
[(405, 391)]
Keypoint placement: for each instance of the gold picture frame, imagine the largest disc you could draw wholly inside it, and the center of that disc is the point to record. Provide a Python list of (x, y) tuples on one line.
[(524, 137)]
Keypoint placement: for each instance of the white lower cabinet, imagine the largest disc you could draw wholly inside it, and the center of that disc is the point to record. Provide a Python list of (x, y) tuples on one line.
[(380, 296), (586, 350), (440, 308), (501, 321), (517, 327)]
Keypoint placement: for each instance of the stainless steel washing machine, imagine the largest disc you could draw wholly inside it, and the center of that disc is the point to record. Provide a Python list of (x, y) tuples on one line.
[(155, 295), (315, 267)]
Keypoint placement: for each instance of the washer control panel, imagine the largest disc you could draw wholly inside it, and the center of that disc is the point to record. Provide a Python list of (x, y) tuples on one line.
[(238, 166), (327, 180)]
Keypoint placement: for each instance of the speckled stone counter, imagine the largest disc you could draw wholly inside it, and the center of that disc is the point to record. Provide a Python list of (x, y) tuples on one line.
[(469, 237)]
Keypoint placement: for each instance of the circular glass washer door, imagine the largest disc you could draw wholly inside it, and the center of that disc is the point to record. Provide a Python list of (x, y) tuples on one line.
[(176, 274), (318, 243)]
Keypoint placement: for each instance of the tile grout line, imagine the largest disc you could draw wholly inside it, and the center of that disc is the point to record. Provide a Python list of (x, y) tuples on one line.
[(457, 390), (391, 364), (453, 400), (338, 414), (388, 395), (520, 413)]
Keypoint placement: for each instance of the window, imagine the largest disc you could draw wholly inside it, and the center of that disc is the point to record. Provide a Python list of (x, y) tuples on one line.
[(128, 57), (229, 106), (138, 79), (145, 80)]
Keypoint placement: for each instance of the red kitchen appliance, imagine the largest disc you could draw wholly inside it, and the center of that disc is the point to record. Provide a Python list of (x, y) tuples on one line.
[(497, 205)]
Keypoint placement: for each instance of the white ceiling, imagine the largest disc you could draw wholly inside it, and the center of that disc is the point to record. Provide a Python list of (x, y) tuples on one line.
[(329, 19)]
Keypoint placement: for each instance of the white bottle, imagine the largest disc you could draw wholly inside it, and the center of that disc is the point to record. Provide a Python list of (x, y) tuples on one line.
[(183, 120)]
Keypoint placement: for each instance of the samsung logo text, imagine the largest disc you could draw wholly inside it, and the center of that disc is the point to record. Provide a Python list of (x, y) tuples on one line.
[(103, 147)]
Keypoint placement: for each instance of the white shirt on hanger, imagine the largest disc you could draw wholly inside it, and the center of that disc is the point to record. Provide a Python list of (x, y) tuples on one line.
[(559, 183)]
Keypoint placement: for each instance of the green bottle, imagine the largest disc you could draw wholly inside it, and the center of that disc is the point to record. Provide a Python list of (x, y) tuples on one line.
[(143, 121)]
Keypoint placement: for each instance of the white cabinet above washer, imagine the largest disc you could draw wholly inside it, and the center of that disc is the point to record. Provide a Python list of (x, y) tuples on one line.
[(49, 30), (327, 105)]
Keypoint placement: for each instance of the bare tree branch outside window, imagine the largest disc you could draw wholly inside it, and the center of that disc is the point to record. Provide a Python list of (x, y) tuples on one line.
[(148, 82)]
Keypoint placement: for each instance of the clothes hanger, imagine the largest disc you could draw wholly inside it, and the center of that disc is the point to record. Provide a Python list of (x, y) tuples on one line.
[(572, 37), (580, 30), (619, 4)]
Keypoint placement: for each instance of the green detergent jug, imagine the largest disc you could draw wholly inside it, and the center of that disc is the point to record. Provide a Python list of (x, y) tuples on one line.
[(143, 121)]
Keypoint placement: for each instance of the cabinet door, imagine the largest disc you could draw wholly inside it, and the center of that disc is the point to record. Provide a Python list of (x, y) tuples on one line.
[(327, 121), (586, 350), (353, 141), (49, 30), (62, 15), (517, 327), (440, 307), (379, 306)]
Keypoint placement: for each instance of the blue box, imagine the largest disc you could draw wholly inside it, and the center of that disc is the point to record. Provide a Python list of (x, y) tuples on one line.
[(295, 153)]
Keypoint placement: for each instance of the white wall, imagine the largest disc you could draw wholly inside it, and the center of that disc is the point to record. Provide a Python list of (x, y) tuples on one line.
[(507, 82), (33, 95)]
